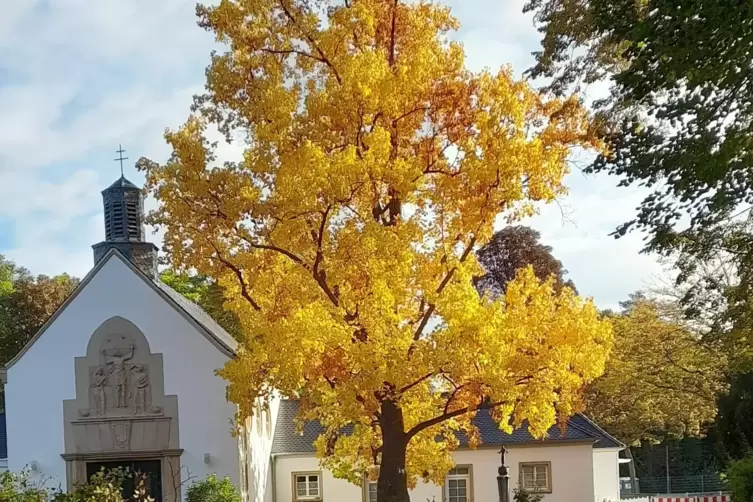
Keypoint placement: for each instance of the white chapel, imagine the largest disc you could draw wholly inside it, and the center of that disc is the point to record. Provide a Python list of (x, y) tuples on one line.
[(123, 374)]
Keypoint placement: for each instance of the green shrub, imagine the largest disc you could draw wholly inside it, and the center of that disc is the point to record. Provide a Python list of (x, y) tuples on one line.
[(521, 495), (102, 487), (213, 490), (740, 480), (19, 488), (106, 487)]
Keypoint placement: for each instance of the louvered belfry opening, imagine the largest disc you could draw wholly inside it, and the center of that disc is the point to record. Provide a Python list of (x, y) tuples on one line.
[(123, 204), (124, 211)]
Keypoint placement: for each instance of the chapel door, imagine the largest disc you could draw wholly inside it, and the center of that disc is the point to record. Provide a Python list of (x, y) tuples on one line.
[(149, 470)]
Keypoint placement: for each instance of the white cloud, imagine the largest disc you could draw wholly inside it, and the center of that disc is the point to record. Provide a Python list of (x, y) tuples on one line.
[(601, 266), (77, 78)]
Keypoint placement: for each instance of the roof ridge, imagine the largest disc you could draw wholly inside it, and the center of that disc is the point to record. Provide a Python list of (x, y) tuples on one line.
[(215, 333), (601, 429), (207, 322), (575, 425)]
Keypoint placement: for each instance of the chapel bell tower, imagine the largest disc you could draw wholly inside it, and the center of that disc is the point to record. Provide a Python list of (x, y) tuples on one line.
[(124, 225)]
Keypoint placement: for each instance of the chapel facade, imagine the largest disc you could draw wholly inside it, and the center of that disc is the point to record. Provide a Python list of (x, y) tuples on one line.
[(123, 375)]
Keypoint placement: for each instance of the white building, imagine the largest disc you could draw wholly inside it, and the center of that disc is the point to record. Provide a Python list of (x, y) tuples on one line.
[(579, 465), (123, 374)]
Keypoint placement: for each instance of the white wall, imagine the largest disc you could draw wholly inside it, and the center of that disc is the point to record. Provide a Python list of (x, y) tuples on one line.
[(258, 458), (572, 470), (333, 490), (572, 475), (606, 474), (40, 381)]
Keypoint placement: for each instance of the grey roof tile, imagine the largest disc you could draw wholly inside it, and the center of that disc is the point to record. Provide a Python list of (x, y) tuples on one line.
[(121, 182), (200, 316), (579, 428)]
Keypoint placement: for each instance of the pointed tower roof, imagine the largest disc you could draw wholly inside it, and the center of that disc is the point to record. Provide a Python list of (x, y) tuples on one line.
[(121, 182), (124, 224)]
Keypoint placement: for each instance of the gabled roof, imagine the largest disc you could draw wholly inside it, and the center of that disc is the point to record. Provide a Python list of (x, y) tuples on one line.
[(579, 429), (189, 310), (199, 315)]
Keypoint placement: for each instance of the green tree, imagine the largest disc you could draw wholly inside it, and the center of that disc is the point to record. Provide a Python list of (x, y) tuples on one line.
[(511, 249), (679, 117), (661, 380), (207, 294), (733, 429), (741, 480), (7, 271), (26, 302)]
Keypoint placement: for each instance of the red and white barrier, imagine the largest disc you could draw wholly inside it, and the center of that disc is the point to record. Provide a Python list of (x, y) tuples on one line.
[(674, 499), (685, 498)]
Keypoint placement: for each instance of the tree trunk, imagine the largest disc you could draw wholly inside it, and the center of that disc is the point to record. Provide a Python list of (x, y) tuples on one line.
[(393, 483)]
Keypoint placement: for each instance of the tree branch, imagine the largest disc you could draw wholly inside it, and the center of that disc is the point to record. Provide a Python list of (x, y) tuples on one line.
[(407, 114), (319, 239), (287, 52), (243, 235), (239, 274), (320, 276), (457, 389), (417, 382), (392, 34), (432, 307), (311, 40), (446, 416)]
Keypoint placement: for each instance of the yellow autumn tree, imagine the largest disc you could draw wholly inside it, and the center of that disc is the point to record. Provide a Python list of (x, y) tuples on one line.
[(374, 165)]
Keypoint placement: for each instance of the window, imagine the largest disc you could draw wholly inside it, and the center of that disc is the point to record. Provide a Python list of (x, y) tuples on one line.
[(268, 422), (536, 477), (457, 487), (371, 491), (259, 418), (307, 486), (243, 457)]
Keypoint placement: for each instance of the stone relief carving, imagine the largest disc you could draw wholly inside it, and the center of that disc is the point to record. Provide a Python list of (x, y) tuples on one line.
[(121, 432), (99, 382), (116, 360), (118, 385), (120, 409), (141, 386)]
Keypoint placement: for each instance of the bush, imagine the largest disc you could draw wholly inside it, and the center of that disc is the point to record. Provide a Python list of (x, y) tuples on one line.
[(102, 487), (520, 495), (213, 490), (106, 487), (18, 488), (740, 480)]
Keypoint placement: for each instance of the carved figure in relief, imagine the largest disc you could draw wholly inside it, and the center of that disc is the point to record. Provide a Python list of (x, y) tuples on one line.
[(99, 381), (117, 359), (140, 383)]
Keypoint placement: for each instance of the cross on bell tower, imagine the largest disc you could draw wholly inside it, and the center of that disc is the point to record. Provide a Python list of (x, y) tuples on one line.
[(124, 223), (120, 158)]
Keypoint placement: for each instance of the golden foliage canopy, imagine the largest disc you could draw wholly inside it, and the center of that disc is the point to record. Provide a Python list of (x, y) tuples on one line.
[(374, 165)]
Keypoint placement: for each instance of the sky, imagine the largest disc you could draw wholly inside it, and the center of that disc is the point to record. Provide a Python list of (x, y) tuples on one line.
[(79, 78)]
